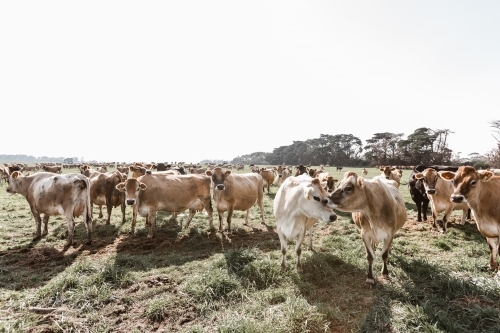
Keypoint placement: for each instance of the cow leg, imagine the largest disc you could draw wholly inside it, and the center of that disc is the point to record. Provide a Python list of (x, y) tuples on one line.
[(229, 217), (134, 219), (71, 229), (123, 211), (309, 243), (446, 217), (109, 207), (38, 223), (298, 248), (45, 224), (246, 217), (385, 256), (370, 255), (207, 204), (100, 212), (261, 206), (425, 205), (152, 223), (464, 216), (419, 211), (191, 214), (492, 243), (284, 248), (221, 218), (434, 216)]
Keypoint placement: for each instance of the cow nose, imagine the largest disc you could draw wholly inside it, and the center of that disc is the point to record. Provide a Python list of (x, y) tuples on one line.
[(387, 177), (324, 201), (431, 191), (457, 198), (280, 176), (220, 187), (333, 217), (130, 202)]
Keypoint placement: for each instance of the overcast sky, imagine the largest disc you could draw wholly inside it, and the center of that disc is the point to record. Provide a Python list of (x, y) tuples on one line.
[(193, 80)]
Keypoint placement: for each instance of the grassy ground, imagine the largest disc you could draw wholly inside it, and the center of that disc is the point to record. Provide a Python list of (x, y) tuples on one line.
[(200, 280)]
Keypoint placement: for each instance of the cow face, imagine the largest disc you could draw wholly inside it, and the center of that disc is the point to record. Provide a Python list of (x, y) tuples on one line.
[(386, 171), (316, 202), (466, 182), (218, 177), (429, 177), (131, 187), (347, 193), (330, 184), (14, 181)]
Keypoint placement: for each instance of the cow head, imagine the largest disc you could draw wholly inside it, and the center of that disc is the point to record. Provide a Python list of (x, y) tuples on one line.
[(330, 184), (14, 182), (218, 177), (347, 192), (386, 171), (429, 177), (466, 182), (131, 187), (313, 193)]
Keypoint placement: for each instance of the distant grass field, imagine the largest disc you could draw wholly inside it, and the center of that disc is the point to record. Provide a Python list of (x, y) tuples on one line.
[(198, 280)]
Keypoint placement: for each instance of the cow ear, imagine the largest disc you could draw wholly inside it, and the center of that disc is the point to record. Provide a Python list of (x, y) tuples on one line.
[(418, 175), (446, 175), (16, 174), (208, 173), (120, 186), (228, 172), (307, 191), (316, 181), (131, 168), (361, 182), (142, 186), (485, 175)]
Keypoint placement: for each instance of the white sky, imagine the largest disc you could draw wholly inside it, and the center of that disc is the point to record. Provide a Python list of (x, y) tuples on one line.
[(193, 80)]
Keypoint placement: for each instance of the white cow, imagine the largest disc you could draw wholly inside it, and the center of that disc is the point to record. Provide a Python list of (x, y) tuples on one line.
[(299, 203)]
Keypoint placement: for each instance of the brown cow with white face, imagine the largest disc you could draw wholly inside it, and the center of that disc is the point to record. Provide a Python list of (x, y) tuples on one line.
[(103, 192), (151, 193), (234, 191), (378, 210), (52, 195), (481, 191)]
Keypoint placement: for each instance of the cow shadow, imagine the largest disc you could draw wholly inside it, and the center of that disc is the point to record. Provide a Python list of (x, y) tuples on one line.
[(33, 263), (439, 298)]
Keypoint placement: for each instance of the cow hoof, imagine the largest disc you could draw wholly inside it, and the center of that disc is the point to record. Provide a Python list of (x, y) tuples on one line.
[(370, 284)]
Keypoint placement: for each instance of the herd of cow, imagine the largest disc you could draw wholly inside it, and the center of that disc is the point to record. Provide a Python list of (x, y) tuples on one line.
[(304, 197)]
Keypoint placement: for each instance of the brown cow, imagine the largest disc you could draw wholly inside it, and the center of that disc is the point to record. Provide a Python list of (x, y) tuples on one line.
[(300, 170), (390, 173), (138, 171), (481, 191), (51, 195), (327, 181), (378, 210), (268, 177), (52, 168), (232, 191), (103, 192), (152, 192)]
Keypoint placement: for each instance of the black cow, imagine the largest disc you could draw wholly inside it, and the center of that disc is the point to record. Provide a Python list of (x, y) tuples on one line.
[(300, 170), (339, 168), (417, 189)]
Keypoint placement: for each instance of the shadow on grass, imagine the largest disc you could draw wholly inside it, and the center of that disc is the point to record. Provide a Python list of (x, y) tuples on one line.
[(431, 299), (32, 265)]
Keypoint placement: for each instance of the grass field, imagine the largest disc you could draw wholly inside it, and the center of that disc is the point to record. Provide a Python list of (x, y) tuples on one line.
[(200, 280)]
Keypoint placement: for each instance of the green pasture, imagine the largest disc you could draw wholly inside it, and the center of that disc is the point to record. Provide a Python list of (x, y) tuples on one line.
[(202, 280)]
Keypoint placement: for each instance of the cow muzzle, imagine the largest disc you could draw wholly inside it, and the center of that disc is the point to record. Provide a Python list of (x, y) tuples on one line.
[(220, 187), (333, 217), (431, 191), (130, 202), (457, 198)]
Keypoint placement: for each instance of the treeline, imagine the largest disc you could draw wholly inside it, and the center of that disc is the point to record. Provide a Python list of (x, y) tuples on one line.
[(423, 146), (18, 158)]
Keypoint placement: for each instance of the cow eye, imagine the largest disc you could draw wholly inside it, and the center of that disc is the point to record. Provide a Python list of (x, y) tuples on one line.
[(473, 183), (316, 198), (348, 189)]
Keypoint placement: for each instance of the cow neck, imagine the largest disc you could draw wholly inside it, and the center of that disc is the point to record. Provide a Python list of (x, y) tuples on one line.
[(26, 184)]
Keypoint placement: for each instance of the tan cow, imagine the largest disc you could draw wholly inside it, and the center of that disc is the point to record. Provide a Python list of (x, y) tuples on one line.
[(232, 191), (88, 172), (299, 203), (327, 181), (138, 171), (103, 192), (390, 173), (152, 193), (52, 195), (364, 171), (268, 176), (4, 173), (378, 210), (52, 168), (439, 191), (481, 191)]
